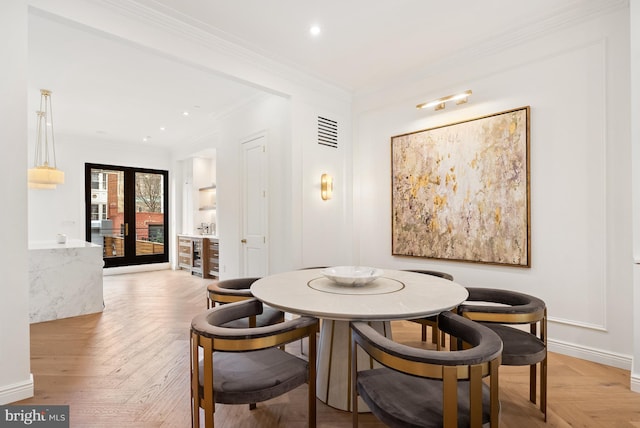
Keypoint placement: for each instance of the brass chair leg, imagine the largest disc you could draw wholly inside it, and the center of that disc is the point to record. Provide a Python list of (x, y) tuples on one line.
[(532, 383), (543, 388)]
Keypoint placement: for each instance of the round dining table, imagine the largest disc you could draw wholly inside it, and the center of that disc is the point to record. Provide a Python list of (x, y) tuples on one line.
[(396, 295)]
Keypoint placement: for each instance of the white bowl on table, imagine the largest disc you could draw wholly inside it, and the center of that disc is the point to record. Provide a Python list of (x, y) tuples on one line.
[(352, 276)]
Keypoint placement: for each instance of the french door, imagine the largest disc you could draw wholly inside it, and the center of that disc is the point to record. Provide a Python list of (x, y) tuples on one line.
[(126, 212)]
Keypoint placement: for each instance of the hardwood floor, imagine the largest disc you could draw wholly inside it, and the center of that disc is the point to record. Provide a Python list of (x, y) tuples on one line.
[(129, 367)]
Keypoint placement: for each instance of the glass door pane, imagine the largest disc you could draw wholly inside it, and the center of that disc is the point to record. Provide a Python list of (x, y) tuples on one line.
[(107, 211), (126, 213), (149, 230)]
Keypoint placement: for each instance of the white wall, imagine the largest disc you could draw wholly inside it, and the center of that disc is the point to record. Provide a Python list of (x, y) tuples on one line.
[(269, 115), (15, 380), (62, 210), (635, 143), (327, 225), (577, 84)]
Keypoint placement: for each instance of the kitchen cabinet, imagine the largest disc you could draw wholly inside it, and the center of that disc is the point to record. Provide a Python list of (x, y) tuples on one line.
[(214, 258), (199, 255), (185, 252)]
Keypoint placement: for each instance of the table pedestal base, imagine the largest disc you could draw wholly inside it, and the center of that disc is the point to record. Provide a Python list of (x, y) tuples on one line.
[(334, 363)]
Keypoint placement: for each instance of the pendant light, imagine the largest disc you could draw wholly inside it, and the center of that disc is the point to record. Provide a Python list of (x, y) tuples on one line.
[(45, 174)]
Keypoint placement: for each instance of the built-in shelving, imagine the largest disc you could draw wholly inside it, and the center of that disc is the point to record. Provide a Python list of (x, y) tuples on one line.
[(207, 198)]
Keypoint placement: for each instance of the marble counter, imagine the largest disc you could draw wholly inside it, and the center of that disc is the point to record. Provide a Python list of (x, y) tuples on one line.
[(65, 280)]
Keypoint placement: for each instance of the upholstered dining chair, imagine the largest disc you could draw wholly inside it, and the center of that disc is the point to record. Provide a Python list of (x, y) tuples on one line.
[(427, 388), (236, 290), (431, 321), (494, 308), (245, 365)]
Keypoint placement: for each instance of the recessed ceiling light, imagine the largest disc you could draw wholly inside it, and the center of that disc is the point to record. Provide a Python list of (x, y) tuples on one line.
[(147, 138), (314, 30), (185, 113), (162, 128)]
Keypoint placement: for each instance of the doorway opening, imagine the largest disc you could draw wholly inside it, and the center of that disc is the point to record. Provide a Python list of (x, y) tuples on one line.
[(126, 212)]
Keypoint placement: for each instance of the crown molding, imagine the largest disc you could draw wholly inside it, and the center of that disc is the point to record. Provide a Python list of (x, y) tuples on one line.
[(538, 27), (182, 26), (212, 38), (188, 28)]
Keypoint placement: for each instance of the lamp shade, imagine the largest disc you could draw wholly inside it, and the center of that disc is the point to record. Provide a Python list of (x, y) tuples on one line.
[(45, 175)]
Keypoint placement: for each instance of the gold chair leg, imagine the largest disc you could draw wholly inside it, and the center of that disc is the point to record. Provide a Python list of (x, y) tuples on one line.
[(354, 374), (543, 388), (532, 383), (494, 394)]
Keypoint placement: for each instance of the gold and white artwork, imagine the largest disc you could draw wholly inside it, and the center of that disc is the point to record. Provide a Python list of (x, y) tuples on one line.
[(461, 191)]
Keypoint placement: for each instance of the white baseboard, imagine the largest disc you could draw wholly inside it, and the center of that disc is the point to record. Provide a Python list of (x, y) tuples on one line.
[(635, 383), (135, 268), (17, 391), (607, 358)]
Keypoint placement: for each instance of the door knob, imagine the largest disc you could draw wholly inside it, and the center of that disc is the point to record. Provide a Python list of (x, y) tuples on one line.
[(244, 241)]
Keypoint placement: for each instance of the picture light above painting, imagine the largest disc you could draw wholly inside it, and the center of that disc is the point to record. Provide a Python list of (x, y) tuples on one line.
[(461, 191)]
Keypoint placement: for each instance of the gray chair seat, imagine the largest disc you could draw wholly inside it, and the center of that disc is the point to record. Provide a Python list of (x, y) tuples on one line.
[(520, 348), (252, 377), (407, 401)]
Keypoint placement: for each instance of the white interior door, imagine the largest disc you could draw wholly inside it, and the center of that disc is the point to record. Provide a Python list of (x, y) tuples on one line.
[(254, 236)]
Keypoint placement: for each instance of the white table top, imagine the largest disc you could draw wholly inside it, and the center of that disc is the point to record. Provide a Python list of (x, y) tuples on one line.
[(396, 295)]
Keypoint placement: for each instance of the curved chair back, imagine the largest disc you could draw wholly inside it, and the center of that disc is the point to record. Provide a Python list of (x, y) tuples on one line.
[(245, 365), (432, 273), (419, 387), (237, 290), (501, 307), (229, 290), (431, 321)]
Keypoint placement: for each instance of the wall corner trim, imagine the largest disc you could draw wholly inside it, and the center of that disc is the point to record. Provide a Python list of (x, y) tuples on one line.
[(17, 391)]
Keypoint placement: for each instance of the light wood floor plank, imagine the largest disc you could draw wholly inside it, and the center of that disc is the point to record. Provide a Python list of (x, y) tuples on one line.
[(129, 367)]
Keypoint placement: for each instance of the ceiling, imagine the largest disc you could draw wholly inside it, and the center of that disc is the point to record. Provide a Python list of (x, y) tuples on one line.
[(104, 88)]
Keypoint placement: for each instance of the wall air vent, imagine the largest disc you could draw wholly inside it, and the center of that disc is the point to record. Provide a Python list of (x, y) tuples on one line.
[(327, 132)]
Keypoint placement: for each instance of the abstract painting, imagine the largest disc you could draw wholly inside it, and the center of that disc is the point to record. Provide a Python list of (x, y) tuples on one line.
[(461, 191)]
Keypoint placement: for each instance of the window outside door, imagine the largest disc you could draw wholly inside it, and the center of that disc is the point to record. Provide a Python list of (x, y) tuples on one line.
[(127, 213)]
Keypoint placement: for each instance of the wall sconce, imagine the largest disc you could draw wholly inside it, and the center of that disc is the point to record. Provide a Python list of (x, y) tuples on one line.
[(439, 104), (326, 186)]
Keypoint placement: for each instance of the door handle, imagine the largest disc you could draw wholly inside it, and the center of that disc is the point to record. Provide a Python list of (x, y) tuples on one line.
[(244, 241), (126, 229)]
